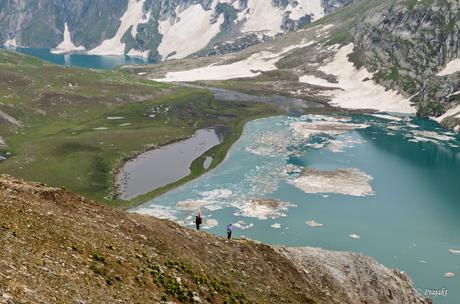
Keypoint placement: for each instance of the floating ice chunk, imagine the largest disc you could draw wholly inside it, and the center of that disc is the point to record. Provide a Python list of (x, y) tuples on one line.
[(314, 224), (191, 205), (449, 275), (209, 223), (422, 262), (243, 225), (339, 145), (159, 211), (276, 226), (354, 236), (262, 209), (428, 135), (216, 194), (453, 251), (350, 181), (309, 129), (387, 117)]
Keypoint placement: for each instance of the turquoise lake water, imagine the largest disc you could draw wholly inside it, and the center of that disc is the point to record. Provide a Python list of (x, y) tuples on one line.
[(408, 171), (408, 220), (81, 60)]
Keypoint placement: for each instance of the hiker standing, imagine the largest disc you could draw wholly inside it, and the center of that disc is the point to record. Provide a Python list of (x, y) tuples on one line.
[(229, 231), (198, 221)]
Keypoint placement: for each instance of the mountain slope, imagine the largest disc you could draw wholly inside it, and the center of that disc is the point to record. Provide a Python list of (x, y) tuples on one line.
[(159, 30), (393, 56), (61, 248)]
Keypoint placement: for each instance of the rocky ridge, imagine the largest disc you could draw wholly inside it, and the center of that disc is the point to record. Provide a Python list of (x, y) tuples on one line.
[(145, 24), (58, 247), (406, 44)]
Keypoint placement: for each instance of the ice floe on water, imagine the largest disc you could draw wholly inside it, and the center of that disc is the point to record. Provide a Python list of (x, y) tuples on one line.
[(431, 136), (308, 129), (449, 275), (342, 143), (211, 200), (314, 224), (192, 205), (243, 225), (263, 209), (387, 117), (270, 144), (348, 181), (453, 251), (159, 211), (209, 223), (276, 225), (354, 236)]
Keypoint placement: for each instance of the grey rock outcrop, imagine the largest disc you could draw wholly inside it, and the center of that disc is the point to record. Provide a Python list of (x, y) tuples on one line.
[(407, 43), (352, 277)]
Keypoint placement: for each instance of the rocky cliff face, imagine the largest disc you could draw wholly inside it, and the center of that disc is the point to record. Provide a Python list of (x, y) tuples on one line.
[(155, 29), (60, 248), (407, 43)]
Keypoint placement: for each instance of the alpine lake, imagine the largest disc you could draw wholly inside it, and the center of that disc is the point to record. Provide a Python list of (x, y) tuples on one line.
[(387, 186)]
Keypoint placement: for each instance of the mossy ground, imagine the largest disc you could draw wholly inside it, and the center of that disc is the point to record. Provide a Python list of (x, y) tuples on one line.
[(64, 136)]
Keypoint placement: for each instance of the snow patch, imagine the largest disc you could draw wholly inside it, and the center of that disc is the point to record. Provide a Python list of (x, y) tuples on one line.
[(310, 79), (455, 111), (139, 54), (133, 16), (264, 17), (450, 68), (11, 43), (67, 46), (306, 7), (189, 32), (249, 67), (358, 90)]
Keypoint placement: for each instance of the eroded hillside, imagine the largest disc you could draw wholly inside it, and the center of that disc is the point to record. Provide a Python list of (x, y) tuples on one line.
[(61, 248)]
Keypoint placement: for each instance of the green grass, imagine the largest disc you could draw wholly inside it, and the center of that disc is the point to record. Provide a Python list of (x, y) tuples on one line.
[(59, 142)]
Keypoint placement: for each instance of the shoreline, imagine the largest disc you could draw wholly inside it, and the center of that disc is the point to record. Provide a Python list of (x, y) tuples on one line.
[(197, 169), (218, 153)]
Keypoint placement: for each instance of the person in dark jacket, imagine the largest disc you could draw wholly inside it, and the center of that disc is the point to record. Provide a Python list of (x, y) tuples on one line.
[(229, 231), (198, 221)]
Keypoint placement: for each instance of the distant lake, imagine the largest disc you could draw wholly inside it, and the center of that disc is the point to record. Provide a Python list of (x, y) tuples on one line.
[(159, 167), (81, 60)]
